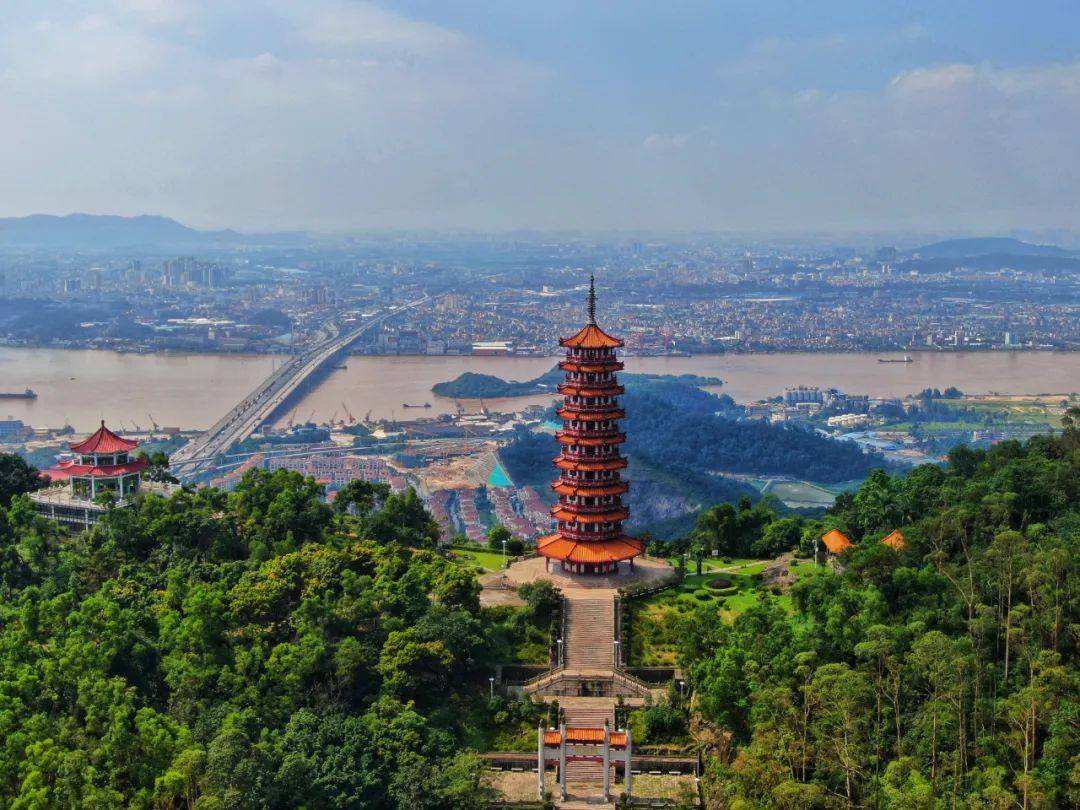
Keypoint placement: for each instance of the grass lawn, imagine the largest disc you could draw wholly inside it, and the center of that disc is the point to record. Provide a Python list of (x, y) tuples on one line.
[(657, 623), (487, 560)]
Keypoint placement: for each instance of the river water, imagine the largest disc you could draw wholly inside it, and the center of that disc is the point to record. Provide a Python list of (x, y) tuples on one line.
[(191, 391)]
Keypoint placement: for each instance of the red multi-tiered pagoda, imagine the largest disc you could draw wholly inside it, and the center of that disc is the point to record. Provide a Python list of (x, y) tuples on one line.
[(590, 513)]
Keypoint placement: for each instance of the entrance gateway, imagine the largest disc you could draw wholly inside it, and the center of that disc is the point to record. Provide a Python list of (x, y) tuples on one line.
[(600, 746)]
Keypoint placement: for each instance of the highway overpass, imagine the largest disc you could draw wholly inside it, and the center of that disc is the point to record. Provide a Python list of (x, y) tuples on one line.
[(262, 403)]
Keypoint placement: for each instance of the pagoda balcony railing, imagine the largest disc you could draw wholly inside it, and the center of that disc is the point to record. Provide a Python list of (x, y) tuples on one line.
[(591, 537), (603, 463), (581, 509), (595, 407), (616, 487), (608, 436), (604, 389), (592, 366), (602, 411)]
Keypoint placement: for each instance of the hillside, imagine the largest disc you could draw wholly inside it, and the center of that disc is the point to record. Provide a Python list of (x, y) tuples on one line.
[(940, 674), (983, 246), (103, 232)]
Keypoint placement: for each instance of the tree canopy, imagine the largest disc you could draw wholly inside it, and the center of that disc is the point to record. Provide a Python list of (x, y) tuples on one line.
[(238, 650), (939, 674)]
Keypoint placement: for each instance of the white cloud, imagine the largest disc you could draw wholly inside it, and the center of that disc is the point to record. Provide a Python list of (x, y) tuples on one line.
[(367, 26)]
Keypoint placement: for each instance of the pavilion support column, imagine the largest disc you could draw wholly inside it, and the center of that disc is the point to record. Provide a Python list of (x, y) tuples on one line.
[(562, 760), (627, 765)]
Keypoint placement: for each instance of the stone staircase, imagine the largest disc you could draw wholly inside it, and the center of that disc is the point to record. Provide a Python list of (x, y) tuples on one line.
[(590, 633)]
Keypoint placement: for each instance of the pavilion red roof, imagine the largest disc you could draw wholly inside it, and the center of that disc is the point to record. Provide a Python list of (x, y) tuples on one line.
[(591, 337), (73, 469), (104, 440)]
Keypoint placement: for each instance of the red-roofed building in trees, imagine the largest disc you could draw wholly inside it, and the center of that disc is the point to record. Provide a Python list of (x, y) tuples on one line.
[(589, 538), (101, 463)]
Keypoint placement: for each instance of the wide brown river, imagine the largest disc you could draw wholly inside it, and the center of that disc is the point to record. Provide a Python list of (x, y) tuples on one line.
[(191, 391)]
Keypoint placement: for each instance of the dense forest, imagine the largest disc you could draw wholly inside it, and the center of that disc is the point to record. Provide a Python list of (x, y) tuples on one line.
[(246, 650), (943, 674), (670, 424)]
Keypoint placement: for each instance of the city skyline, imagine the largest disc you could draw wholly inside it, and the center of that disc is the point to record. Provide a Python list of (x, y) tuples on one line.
[(732, 116)]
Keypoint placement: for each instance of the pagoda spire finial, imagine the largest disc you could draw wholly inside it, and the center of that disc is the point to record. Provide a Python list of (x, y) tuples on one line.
[(592, 300)]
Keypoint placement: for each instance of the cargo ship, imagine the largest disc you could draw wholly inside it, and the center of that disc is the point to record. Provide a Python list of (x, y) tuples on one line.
[(410, 405), (907, 358), (27, 394)]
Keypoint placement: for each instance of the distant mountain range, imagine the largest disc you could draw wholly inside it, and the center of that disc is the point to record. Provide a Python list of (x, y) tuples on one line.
[(96, 232), (986, 246)]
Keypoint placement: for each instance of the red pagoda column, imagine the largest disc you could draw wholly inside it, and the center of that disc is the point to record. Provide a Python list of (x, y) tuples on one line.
[(590, 512)]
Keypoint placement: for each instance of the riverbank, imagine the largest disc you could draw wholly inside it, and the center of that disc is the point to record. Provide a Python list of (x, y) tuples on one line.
[(80, 386)]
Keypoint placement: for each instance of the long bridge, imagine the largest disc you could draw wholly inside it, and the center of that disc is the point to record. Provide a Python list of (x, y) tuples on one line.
[(268, 398)]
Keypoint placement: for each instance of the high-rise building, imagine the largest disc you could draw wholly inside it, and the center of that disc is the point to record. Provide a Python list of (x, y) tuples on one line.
[(589, 538)]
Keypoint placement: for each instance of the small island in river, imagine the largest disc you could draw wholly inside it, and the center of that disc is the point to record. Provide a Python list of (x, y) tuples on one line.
[(471, 385)]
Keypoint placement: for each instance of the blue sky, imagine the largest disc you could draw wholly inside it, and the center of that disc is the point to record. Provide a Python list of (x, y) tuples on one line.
[(338, 114)]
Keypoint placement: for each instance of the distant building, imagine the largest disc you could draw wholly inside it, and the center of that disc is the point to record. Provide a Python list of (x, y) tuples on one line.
[(12, 428), (102, 463), (492, 348), (803, 393)]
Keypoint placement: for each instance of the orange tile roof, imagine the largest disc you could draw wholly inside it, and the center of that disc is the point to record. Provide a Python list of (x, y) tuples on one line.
[(557, 547), (569, 412), (895, 540), (836, 541), (591, 488), (591, 337), (567, 513), (594, 464), (615, 438), (585, 735), (590, 389), (592, 366)]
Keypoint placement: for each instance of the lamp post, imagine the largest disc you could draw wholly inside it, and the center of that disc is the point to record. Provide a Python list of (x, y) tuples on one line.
[(617, 662), (558, 654), (681, 685), (504, 553), (491, 685)]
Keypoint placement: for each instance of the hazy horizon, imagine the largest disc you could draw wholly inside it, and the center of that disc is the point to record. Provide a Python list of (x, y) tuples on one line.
[(731, 117)]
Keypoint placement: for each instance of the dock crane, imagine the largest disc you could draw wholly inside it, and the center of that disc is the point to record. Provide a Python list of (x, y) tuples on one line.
[(348, 413), (292, 416), (156, 426)]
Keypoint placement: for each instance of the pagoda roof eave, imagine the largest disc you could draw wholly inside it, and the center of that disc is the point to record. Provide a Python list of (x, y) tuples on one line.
[(557, 547), (591, 336)]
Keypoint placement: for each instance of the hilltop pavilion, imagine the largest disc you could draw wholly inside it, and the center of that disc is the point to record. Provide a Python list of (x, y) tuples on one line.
[(589, 538), (103, 462)]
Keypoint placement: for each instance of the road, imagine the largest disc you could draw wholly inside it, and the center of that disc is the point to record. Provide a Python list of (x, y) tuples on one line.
[(261, 404)]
